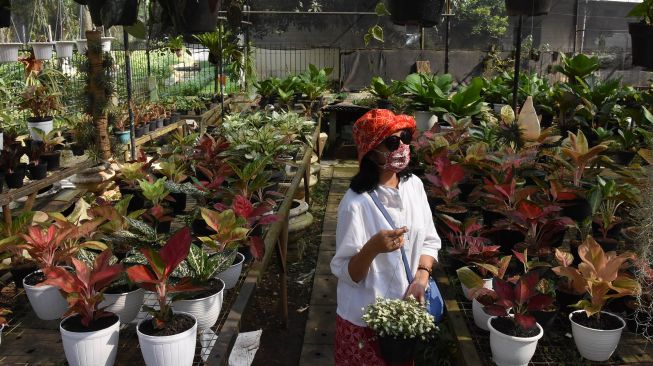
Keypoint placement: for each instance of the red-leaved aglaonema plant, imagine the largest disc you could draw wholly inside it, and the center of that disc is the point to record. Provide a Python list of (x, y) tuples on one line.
[(156, 276), (444, 184), (84, 286), (520, 297)]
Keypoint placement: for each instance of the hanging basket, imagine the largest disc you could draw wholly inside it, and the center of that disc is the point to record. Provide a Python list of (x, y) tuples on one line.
[(192, 17), (64, 49), (641, 35), (529, 8), (106, 44), (82, 46), (426, 13), (42, 50), (9, 52)]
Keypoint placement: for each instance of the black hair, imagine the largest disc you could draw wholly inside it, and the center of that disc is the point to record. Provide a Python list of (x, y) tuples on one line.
[(367, 178)]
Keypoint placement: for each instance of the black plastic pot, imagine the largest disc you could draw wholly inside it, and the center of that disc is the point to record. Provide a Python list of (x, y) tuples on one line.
[(545, 318), (5, 13), (623, 157), (38, 171), (159, 123), (490, 217), (15, 179), (191, 17), (397, 350), (383, 104), (577, 210), (53, 160), (528, 7), (641, 35), (163, 227), (564, 299), (137, 202), (140, 131), (607, 244), (419, 12), (77, 150), (200, 228), (2, 181), (152, 126), (175, 117), (180, 202), (166, 121)]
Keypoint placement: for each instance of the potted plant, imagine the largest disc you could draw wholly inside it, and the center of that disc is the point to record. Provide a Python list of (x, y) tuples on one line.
[(597, 332), (48, 143), (444, 186), (64, 48), (382, 91), (514, 337), (42, 105), (188, 17), (427, 92), (8, 49), (605, 198), (89, 334), (42, 50), (399, 324), (123, 299), (176, 172), (128, 182), (38, 169), (166, 338), (641, 34), (157, 215), (426, 13), (5, 13), (204, 305), (15, 173), (120, 121), (176, 45)]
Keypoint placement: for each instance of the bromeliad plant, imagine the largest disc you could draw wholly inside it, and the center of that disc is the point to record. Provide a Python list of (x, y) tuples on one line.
[(84, 287), (599, 275), (155, 277)]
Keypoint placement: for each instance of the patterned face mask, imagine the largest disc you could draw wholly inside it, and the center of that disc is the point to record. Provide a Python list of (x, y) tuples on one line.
[(396, 161)]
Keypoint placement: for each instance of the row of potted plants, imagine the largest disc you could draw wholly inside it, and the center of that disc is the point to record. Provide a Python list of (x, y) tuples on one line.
[(9, 52)]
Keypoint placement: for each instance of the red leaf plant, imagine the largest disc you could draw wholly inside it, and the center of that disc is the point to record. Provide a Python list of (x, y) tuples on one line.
[(156, 276), (502, 194), (520, 297), (540, 224), (84, 287), (467, 246), (444, 184)]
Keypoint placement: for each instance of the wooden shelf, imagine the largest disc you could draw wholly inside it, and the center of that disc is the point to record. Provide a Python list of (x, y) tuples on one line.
[(152, 136), (35, 186)]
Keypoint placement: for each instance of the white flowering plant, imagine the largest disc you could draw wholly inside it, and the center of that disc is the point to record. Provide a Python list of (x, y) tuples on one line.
[(397, 318)]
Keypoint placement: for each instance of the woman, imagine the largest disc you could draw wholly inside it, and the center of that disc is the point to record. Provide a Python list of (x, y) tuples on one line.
[(368, 261)]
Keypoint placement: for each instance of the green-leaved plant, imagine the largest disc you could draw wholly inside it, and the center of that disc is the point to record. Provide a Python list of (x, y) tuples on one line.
[(400, 319)]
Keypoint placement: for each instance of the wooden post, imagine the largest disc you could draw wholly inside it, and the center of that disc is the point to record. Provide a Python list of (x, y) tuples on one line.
[(283, 255), (98, 98)]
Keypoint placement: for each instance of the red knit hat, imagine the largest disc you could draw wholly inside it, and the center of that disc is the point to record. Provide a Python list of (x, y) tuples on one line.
[(374, 126)]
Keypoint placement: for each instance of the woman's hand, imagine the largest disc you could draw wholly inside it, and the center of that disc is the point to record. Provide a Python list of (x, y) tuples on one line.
[(386, 241), (418, 286)]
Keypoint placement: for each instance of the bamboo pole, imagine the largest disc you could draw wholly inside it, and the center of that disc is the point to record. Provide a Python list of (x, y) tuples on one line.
[(97, 93)]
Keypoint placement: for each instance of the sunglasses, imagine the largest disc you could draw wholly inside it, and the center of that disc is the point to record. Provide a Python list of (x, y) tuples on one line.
[(392, 142)]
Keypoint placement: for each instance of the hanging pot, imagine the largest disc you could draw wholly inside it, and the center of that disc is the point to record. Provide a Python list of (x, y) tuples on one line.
[(106, 43), (595, 344), (528, 7), (82, 46), (509, 350), (9, 52), (90, 348), (119, 12), (5, 13), (64, 49), (426, 13), (641, 35), (190, 17), (42, 50)]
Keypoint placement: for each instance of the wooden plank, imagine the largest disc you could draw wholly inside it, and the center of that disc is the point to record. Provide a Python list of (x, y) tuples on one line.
[(152, 136), (14, 194)]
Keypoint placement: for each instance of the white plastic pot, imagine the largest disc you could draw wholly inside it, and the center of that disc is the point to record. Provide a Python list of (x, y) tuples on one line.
[(2, 327), (42, 50), (64, 49), (487, 283), (596, 344), (512, 351), (82, 45), (125, 305), (45, 126), (98, 348), (106, 44), (9, 52), (206, 310), (47, 302), (231, 275), (174, 350), (425, 120), (480, 316), (2, 141)]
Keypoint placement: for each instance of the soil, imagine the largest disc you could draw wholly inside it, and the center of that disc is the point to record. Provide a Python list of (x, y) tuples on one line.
[(179, 324), (74, 324), (213, 287), (120, 289), (605, 322), (35, 279), (507, 326), (264, 311)]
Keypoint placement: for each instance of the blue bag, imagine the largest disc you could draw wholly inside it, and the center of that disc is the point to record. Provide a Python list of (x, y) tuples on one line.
[(434, 302)]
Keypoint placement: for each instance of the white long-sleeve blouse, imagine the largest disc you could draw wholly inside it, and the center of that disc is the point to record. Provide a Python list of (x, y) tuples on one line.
[(358, 220)]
